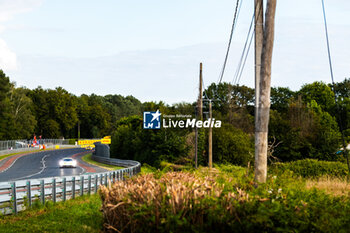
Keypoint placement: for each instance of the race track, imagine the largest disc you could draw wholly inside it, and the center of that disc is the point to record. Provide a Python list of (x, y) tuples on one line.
[(45, 164)]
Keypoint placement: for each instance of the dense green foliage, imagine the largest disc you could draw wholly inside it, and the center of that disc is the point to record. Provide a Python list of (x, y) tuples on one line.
[(303, 124), (58, 113), (232, 145), (312, 168), (131, 141)]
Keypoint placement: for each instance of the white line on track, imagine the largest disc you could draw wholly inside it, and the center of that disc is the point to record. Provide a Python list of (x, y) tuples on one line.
[(83, 170), (42, 168), (13, 163)]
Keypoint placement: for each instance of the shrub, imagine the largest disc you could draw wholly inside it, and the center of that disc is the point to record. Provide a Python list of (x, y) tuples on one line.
[(72, 141), (232, 145), (131, 141), (215, 201), (313, 168)]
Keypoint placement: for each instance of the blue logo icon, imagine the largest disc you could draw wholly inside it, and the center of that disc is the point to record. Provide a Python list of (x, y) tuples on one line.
[(151, 120)]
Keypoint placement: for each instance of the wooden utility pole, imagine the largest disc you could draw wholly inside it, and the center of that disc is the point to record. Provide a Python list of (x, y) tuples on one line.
[(199, 110), (210, 146), (259, 35), (263, 111)]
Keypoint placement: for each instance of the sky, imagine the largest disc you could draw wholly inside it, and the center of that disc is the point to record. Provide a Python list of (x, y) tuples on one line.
[(152, 49)]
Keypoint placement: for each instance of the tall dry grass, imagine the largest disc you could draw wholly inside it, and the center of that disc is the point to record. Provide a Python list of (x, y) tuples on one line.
[(146, 202), (332, 186)]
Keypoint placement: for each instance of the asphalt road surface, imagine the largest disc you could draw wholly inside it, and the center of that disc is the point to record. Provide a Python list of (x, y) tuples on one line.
[(46, 164)]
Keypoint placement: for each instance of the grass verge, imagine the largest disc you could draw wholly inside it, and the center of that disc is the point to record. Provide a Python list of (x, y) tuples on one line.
[(87, 159), (223, 199), (23, 152), (332, 186), (79, 215)]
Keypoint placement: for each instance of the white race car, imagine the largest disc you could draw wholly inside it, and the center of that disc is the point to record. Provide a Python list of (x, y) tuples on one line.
[(68, 162)]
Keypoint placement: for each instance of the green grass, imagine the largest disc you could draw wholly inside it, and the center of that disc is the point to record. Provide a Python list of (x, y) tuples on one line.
[(79, 215), (87, 159)]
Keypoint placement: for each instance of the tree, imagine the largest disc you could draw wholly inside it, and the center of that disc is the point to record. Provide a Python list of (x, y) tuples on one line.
[(320, 92), (306, 131), (131, 141), (4, 104), (342, 89), (280, 98), (58, 106), (231, 145), (23, 121), (63, 107), (229, 96)]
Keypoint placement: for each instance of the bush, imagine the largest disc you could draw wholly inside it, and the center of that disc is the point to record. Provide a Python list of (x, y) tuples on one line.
[(312, 168), (232, 145), (219, 201), (72, 141), (131, 141)]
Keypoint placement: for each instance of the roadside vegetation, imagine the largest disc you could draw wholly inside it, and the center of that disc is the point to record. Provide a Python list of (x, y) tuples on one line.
[(223, 199), (78, 215), (87, 159), (308, 183)]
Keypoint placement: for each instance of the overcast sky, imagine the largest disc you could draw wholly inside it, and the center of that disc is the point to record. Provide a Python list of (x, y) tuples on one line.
[(152, 49)]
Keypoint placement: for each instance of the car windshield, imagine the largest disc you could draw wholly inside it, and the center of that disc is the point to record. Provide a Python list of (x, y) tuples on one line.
[(68, 160)]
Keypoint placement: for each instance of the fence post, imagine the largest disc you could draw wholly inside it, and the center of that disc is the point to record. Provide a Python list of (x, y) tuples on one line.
[(96, 187), (29, 194), (81, 185), (105, 179), (14, 197), (54, 190), (101, 179), (73, 187), (42, 194), (89, 185), (64, 189)]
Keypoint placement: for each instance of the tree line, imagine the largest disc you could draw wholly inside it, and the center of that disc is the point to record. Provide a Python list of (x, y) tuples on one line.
[(305, 123), (56, 113)]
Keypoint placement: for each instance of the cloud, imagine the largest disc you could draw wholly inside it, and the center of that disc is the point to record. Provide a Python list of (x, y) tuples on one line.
[(8, 10), (8, 59)]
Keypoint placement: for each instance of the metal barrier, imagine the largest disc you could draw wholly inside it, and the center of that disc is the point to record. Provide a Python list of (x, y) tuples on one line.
[(14, 146), (19, 195)]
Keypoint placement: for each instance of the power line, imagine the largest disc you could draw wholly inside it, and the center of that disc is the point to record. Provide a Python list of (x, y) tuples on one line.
[(245, 59), (244, 56), (237, 10), (329, 52), (243, 52), (333, 84)]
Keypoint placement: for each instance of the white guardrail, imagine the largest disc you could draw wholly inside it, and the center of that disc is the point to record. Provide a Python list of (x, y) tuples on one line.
[(19, 195)]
